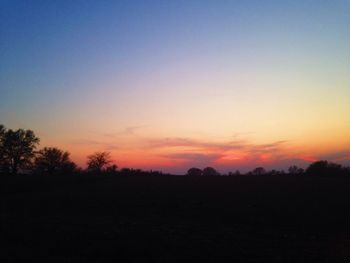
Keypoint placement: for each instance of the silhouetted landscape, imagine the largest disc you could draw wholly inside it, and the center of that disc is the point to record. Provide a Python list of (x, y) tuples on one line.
[(53, 211), (154, 131)]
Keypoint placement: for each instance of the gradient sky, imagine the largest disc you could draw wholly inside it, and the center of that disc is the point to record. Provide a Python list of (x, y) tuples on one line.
[(173, 84)]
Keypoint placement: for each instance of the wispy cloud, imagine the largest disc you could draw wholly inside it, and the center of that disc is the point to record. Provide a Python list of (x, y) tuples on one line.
[(192, 143), (200, 159), (184, 152), (131, 130), (200, 152), (209, 145), (267, 148), (341, 156), (103, 145), (127, 131)]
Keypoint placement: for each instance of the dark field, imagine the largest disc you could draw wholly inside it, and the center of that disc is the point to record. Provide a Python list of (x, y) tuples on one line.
[(174, 219)]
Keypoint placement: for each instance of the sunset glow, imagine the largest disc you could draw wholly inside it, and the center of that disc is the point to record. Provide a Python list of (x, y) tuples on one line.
[(168, 85)]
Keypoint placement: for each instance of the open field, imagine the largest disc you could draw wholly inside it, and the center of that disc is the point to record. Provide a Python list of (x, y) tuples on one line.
[(174, 219)]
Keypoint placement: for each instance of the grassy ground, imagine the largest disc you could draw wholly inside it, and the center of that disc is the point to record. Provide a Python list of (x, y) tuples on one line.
[(174, 219)]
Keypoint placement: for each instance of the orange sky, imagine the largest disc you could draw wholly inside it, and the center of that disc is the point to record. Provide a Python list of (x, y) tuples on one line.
[(231, 84)]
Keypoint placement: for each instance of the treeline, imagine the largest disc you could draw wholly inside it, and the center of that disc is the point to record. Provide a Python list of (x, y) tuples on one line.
[(19, 153), (321, 168)]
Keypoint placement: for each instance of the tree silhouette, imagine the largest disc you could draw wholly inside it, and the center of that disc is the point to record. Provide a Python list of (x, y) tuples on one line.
[(112, 169), (98, 160), (325, 168), (52, 160), (17, 149), (236, 173), (295, 170), (210, 171), (259, 171), (194, 172), (2, 160), (2, 130)]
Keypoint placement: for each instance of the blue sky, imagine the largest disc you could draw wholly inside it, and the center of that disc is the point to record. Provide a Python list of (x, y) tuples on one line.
[(199, 70)]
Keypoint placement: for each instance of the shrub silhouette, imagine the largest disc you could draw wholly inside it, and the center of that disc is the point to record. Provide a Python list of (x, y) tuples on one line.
[(210, 171), (295, 170), (112, 169), (194, 172)]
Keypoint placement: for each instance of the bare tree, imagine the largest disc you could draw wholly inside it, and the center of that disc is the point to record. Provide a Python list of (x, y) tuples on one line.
[(98, 161)]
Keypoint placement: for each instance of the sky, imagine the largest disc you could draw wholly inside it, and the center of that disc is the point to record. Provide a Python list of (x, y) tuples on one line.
[(168, 85)]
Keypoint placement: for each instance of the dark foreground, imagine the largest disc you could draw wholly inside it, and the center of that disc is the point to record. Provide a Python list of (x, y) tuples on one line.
[(174, 219)]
